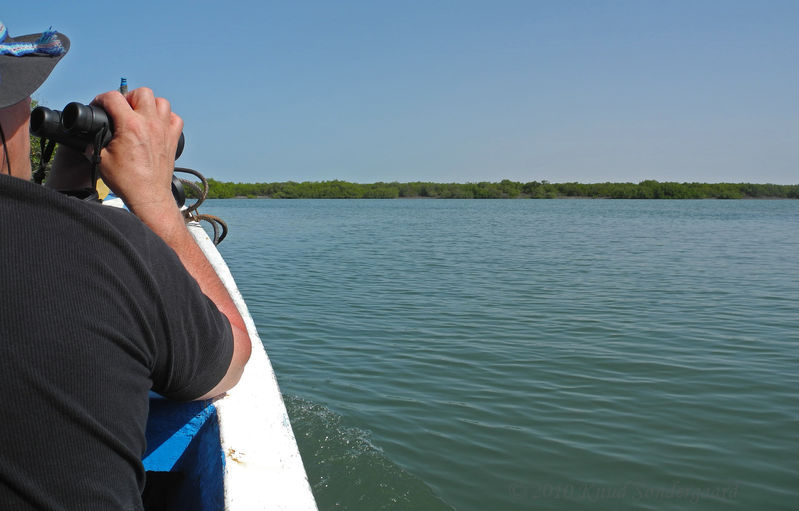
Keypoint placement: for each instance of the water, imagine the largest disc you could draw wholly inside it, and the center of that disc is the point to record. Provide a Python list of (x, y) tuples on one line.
[(572, 354)]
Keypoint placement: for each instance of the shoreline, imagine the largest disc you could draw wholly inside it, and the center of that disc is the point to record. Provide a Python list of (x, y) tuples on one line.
[(267, 197), (499, 190)]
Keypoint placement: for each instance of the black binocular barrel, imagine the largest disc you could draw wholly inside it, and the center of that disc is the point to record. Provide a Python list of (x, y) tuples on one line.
[(77, 126), (85, 121), (46, 123)]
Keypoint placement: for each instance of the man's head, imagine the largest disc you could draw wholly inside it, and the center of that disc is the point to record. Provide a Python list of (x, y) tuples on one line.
[(25, 63)]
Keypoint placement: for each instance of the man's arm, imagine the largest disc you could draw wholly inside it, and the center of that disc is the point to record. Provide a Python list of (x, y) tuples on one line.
[(137, 165)]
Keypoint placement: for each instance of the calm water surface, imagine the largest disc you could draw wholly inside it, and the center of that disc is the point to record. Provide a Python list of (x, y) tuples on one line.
[(573, 354)]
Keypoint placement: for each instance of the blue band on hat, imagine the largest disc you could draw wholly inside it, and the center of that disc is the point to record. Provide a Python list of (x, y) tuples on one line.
[(47, 44)]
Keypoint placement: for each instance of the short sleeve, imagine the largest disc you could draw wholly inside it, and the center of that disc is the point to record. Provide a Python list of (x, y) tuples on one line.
[(188, 344), (196, 345)]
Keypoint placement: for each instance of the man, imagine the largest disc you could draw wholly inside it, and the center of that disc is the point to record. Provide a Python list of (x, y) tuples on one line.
[(98, 306)]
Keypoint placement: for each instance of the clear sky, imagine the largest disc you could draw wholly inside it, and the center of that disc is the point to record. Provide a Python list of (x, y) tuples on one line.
[(460, 90)]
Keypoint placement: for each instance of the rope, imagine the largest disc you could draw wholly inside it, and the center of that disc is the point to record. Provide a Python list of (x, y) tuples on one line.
[(194, 186), (217, 224)]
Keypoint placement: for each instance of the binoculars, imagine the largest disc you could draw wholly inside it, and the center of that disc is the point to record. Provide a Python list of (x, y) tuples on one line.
[(78, 126)]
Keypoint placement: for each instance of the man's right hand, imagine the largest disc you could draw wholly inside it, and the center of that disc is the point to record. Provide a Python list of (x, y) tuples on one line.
[(138, 162)]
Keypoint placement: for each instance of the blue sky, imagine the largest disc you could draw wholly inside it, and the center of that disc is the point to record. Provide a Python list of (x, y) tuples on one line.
[(446, 91)]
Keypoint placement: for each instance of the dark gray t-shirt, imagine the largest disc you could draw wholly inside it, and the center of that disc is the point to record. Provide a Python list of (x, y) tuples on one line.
[(95, 311)]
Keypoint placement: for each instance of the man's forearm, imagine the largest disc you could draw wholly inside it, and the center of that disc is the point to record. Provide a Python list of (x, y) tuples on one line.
[(170, 227)]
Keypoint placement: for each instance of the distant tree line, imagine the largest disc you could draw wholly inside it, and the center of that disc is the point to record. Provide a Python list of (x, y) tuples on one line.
[(505, 189)]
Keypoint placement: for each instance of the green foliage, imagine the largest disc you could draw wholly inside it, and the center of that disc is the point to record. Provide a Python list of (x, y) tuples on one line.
[(36, 151), (505, 189)]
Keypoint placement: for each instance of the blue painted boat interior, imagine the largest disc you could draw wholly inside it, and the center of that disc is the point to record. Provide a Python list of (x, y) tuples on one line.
[(184, 459)]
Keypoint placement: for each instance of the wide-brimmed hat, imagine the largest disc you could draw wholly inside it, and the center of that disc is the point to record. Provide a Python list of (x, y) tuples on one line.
[(26, 61)]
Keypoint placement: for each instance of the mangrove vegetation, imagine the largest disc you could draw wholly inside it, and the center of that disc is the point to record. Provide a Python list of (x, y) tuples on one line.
[(505, 189)]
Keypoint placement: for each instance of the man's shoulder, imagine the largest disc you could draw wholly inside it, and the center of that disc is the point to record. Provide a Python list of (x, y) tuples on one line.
[(22, 198), (38, 215)]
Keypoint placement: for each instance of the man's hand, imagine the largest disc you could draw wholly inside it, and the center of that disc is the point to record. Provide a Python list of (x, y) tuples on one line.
[(138, 162)]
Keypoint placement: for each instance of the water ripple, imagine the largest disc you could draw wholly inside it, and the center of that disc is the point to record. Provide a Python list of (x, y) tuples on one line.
[(533, 354)]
